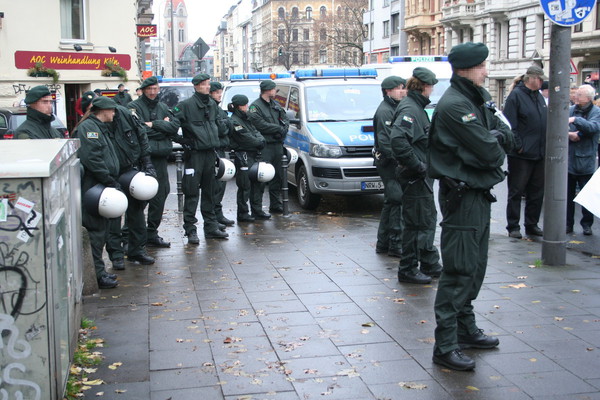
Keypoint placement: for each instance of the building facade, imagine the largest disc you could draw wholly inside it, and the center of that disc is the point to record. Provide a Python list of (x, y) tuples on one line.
[(384, 24), (425, 33), (233, 41)]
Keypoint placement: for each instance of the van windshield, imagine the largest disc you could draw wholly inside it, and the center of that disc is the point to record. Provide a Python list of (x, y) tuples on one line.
[(342, 102), (173, 95), (251, 92), (438, 91)]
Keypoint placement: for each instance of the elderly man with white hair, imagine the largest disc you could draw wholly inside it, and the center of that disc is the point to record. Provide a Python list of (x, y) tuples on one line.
[(584, 130)]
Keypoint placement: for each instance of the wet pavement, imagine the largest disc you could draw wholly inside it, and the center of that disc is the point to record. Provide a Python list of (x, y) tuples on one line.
[(302, 307)]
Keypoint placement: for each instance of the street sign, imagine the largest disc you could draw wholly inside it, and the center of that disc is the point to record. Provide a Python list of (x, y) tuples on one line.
[(200, 48), (573, 70), (567, 12)]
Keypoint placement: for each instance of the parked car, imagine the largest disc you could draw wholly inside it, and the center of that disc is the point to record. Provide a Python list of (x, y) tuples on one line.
[(12, 117)]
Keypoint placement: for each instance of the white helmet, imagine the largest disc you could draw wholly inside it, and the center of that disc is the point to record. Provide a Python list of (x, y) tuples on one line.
[(105, 202), (292, 155), (139, 185), (261, 172), (224, 170)]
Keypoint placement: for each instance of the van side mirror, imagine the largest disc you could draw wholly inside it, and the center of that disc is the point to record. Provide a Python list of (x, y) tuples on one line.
[(292, 116)]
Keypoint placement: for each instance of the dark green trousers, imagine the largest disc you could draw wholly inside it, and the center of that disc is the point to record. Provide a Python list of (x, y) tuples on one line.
[(419, 216), (464, 245), (133, 231), (246, 188), (389, 232), (199, 174), (156, 206), (272, 154), (96, 227), (219, 192)]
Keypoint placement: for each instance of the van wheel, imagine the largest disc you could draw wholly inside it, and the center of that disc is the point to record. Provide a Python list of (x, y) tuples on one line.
[(307, 199)]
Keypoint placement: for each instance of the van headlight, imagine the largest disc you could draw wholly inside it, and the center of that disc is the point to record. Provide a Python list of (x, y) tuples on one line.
[(325, 151)]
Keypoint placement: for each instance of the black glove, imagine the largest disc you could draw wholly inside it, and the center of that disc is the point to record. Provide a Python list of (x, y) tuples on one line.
[(277, 136), (260, 146), (284, 130), (187, 143), (421, 170), (148, 166), (113, 184), (498, 135)]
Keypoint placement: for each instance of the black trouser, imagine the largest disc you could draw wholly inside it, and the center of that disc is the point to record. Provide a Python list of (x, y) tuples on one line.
[(96, 227), (272, 154), (587, 218), (133, 232), (199, 174), (524, 177), (219, 192), (156, 205), (389, 232)]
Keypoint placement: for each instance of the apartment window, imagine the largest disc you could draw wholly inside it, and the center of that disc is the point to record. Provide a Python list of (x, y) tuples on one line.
[(308, 12), (484, 34), (295, 13), (372, 31), (578, 28), (281, 35), (339, 12), (386, 29), (523, 44), (395, 51), (598, 14), (539, 31), (294, 35), (281, 13), (322, 34), (501, 85), (71, 19), (169, 35), (323, 56), (373, 58), (470, 34), (306, 57), (386, 3), (306, 34), (501, 31), (439, 43), (295, 57), (395, 20), (181, 36), (461, 36), (323, 11)]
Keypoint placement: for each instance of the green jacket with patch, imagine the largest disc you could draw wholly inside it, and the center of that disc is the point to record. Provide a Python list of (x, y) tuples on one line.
[(129, 139), (382, 125), (198, 117), (37, 126), (162, 133), (270, 120), (410, 131), (244, 136), (225, 126), (460, 143), (122, 98)]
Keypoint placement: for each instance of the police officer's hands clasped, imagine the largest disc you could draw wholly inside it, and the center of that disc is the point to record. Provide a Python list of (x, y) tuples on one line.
[(186, 143), (261, 146), (498, 135), (149, 167), (114, 184), (403, 172)]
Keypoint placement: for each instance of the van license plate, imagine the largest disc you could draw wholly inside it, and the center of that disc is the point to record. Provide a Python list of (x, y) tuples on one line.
[(377, 185)]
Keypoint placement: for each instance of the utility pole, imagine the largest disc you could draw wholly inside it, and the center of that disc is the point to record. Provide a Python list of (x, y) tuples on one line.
[(173, 73), (554, 248)]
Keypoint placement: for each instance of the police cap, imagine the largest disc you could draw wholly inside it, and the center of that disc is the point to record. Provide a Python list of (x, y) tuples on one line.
[(149, 82), (392, 82), (239, 100), (36, 93), (200, 78), (425, 75), (214, 86), (267, 85), (86, 100), (467, 55), (103, 103)]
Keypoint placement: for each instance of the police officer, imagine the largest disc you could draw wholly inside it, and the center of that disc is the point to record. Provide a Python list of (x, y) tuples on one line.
[(409, 141), (389, 233), (198, 117), (225, 125), (272, 122), (247, 143), (467, 147), (100, 165), (39, 116), (131, 145), (161, 129), (122, 98)]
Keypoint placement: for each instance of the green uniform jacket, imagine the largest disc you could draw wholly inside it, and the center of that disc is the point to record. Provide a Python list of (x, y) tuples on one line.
[(410, 131), (382, 126), (225, 126), (199, 122), (129, 139), (122, 98), (270, 120), (37, 126), (460, 144), (162, 133), (97, 153), (244, 136)]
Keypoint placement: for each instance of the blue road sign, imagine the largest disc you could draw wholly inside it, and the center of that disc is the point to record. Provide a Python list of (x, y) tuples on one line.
[(567, 12)]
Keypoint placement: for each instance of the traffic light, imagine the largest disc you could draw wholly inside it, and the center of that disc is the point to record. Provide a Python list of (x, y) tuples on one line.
[(280, 52)]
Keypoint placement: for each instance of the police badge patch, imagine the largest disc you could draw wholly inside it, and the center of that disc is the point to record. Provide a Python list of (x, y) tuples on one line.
[(407, 122), (469, 117), (388, 123), (252, 108), (238, 127), (92, 135)]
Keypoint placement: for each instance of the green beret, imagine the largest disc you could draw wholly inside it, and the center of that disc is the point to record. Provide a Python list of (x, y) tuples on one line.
[(214, 86), (200, 78), (467, 55), (392, 82), (267, 85), (149, 82), (36, 93), (103, 103), (239, 100), (424, 75), (86, 100)]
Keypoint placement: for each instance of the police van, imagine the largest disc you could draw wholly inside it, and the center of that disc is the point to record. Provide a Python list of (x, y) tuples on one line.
[(174, 90), (248, 85)]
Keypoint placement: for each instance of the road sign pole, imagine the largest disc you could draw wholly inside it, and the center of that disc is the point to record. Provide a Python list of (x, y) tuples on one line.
[(557, 145)]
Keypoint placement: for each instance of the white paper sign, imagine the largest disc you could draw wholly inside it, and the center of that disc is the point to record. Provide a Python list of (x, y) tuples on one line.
[(24, 205), (589, 196)]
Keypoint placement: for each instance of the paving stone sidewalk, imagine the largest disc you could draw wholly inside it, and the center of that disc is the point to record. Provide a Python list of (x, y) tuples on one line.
[(303, 308)]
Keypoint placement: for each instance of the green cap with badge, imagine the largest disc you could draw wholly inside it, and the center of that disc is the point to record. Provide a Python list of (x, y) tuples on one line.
[(200, 78), (103, 103), (425, 75), (239, 100), (267, 85), (214, 86), (36, 93), (392, 82), (149, 82), (467, 55)]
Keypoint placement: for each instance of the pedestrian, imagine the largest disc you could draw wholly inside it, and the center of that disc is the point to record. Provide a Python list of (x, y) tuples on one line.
[(247, 143), (225, 125), (545, 91), (409, 141), (161, 129), (84, 103), (270, 119), (38, 124), (131, 145), (198, 117), (122, 98), (584, 132), (527, 112), (467, 148), (100, 165), (389, 232)]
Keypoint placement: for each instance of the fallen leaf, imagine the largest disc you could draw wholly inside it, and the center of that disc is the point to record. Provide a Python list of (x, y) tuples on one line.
[(179, 340), (423, 321), (90, 370), (496, 307), (575, 290), (532, 266), (120, 390), (368, 324), (115, 365), (364, 331), (566, 328), (536, 301), (533, 359), (116, 297), (576, 242), (473, 388), (495, 377), (398, 300), (558, 318), (589, 348), (517, 286), (95, 382), (351, 373), (156, 304), (522, 277), (99, 394), (412, 385), (311, 371)]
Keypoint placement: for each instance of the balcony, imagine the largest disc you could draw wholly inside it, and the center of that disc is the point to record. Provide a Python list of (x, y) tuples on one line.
[(461, 13)]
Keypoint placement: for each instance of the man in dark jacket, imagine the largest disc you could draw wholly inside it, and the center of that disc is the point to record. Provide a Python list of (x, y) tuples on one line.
[(224, 123), (389, 233), (409, 141), (526, 110), (39, 116), (467, 147), (271, 121), (122, 98), (584, 130), (161, 129), (198, 117)]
